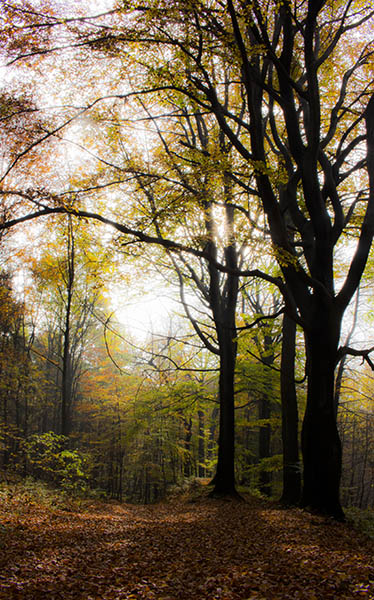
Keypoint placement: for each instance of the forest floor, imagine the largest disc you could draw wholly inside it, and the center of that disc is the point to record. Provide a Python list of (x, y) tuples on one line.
[(208, 549)]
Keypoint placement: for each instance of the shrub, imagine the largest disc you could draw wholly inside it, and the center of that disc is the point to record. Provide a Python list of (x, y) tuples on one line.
[(48, 459)]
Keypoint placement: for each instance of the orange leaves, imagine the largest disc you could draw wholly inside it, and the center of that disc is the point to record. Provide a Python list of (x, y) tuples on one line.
[(26, 29), (207, 551)]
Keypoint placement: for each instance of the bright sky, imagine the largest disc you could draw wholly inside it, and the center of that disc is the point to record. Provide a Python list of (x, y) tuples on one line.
[(151, 312)]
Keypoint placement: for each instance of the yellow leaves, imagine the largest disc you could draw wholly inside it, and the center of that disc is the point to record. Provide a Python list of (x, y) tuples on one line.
[(285, 258)]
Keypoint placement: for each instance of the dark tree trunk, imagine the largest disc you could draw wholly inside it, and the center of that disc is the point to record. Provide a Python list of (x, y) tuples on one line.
[(67, 367), (290, 418), (264, 413), (223, 302), (321, 445), (214, 420), (187, 467), (224, 480), (66, 392), (201, 443), (5, 424)]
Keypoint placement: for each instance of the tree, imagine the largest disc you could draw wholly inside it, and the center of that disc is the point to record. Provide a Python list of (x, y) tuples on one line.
[(211, 191), (301, 133), (193, 196), (265, 339), (17, 383), (290, 416), (302, 136), (69, 279)]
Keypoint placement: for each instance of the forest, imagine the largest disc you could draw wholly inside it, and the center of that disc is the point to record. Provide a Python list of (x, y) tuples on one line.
[(186, 224)]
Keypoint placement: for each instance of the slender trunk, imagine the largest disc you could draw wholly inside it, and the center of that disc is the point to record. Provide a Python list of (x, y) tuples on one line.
[(290, 418), (147, 486), (364, 465), (67, 383), (66, 393), (212, 431), (264, 413), (353, 464), (67, 370), (187, 468), (201, 443), (26, 430), (369, 499), (224, 480), (120, 475), (5, 424), (223, 303), (321, 445)]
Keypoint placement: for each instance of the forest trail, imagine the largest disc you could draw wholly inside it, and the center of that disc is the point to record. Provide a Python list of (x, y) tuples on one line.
[(213, 550)]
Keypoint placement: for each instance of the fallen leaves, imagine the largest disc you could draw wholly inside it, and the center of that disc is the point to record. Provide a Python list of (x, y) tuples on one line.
[(213, 550)]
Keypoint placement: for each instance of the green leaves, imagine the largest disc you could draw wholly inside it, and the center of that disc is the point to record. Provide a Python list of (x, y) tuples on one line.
[(49, 460)]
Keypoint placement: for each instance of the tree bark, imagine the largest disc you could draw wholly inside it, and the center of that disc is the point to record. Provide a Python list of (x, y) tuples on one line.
[(321, 445), (201, 443), (223, 302), (290, 418), (67, 371), (264, 413), (187, 465), (224, 479)]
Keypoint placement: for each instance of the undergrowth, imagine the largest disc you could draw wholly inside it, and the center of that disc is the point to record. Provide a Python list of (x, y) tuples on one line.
[(31, 491), (361, 519)]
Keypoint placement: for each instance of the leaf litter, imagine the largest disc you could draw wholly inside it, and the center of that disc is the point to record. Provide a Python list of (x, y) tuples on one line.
[(208, 550)]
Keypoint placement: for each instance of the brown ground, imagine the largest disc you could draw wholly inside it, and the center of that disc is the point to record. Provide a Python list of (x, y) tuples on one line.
[(190, 551)]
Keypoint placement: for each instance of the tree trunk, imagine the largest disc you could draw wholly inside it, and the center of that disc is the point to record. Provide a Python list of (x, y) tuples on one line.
[(67, 370), (212, 431), (187, 465), (66, 392), (290, 418), (6, 431), (201, 443), (321, 445), (264, 413), (224, 480)]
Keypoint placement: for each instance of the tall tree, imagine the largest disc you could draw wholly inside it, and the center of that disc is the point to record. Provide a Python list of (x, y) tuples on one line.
[(301, 133), (69, 280), (209, 223)]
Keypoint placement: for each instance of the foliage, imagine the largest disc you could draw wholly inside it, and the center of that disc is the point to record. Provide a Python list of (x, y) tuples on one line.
[(362, 519), (48, 459)]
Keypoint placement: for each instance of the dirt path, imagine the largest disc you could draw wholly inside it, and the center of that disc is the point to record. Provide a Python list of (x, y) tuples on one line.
[(208, 550)]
